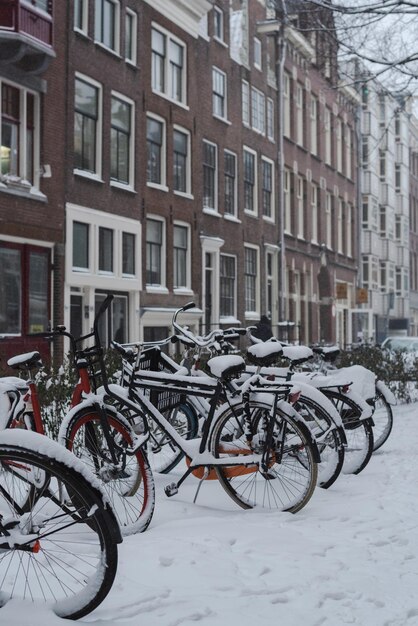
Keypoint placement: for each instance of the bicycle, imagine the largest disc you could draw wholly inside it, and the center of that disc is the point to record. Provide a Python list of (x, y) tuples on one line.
[(272, 462), (58, 533), (116, 455)]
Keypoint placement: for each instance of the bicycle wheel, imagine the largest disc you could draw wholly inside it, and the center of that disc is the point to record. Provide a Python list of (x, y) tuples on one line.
[(292, 470), (128, 481), (62, 548), (163, 453), (359, 432), (383, 420), (327, 438)]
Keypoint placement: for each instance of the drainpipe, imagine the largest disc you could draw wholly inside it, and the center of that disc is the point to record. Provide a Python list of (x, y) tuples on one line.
[(281, 57)]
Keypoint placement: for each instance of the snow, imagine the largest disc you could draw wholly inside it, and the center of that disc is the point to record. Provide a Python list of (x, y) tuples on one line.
[(349, 557)]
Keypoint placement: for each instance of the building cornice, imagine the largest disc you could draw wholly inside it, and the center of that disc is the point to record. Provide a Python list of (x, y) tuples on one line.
[(185, 13)]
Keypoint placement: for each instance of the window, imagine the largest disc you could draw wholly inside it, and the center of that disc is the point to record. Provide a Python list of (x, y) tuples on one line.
[(287, 202), (114, 324), (210, 176), (227, 275), (397, 177), (339, 133), (181, 164), (258, 111), (25, 288), (250, 278), (257, 53), (382, 164), (19, 125), (271, 282), (365, 152), (328, 220), (154, 242), (105, 249), (128, 254), (168, 65), (340, 219), (270, 119), (299, 115), (250, 181), (314, 125), (267, 189), (219, 93), (314, 212), (121, 140), (218, 23), (327, 128), (131, 21), (87, 121), (348, 156), (245, 103), (155, 151), (107, 23), (230, 173), (180, 253), (348, 229), (80, 15), (286, 105), (80, 246), (300, 211)]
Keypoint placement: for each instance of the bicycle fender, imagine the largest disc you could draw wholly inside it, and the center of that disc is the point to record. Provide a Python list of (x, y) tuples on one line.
[(386, 392)]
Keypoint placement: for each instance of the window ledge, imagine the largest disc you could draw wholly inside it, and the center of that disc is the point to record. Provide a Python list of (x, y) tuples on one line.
[(107, 49), (224, 120), (132, 64), (220, 41), (183, 291), (157, 186), (270, 220), (166, 97), (212, 212), (156, 289), (251, 315), (232, 218), (122, 186), (228, 319), (251, 213), (184, 194), (89, 175), (82, 33), (30, 192)]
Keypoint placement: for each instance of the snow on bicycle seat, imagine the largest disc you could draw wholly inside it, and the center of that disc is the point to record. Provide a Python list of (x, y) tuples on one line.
[(297, 354), (10, 383), (328, 353), (264, 354), (25, 361), (226, 366)]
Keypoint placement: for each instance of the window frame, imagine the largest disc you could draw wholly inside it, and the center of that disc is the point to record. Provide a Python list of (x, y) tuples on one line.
[(166, 91), (314, 212), (82, 268), (187, 192), (188, 257), (254, 182), (266, 161), (245, 103), (207, 168), (96, 173), (163, 152), (230, 214), (162, 253), (101, 251), (131, 139), (225, 281), (270, 118), (218, 24), (81, 11), (252, 313), (134, 237), (314, 125), (133, 16), (258, 110), (219, 98), (257, 53), (300, 209), (99, 35), (286, 105)]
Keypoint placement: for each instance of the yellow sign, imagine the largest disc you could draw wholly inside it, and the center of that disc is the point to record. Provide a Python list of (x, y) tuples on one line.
[(341, 291), (362, 296)]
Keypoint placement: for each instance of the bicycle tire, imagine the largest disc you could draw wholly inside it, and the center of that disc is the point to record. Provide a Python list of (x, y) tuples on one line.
[(71, 557), (163, 454), (328, 440), (289, 485), (130, 485), (359, 433), (383, 420)]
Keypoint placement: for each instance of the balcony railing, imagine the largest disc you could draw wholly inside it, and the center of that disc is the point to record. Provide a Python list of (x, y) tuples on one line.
[(31, 18)]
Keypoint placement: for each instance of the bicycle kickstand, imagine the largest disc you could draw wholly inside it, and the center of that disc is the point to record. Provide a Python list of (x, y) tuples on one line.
[(206, 472)]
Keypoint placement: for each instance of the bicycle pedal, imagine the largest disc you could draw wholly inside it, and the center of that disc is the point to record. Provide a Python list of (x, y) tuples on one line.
[(171, 490)]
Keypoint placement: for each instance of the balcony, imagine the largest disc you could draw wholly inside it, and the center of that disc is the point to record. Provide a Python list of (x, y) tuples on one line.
[(26, 35)]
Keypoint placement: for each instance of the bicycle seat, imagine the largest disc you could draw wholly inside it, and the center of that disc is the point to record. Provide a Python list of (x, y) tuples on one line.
[(24, 362), (328, 353), (297, 354), (226, 366), (264, 354)]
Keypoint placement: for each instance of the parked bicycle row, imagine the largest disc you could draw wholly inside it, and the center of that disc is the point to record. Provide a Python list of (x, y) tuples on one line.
[(265, 430)]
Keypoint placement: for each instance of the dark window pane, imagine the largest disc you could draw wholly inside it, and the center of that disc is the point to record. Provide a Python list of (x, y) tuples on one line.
[(105, 250), (10, 291), (80, 245), (128, 253), (38, 292)]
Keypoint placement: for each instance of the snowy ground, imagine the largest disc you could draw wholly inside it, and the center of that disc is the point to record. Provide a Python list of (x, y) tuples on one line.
[(349, 557)]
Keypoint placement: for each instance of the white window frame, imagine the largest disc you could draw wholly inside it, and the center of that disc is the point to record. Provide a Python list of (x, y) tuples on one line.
[(131, 174), (102, 271), (255, 314), (299, 114), (286, 105), (83, 4), (255, 186), (218, 19), (328, 220), (222, 97), (22, 138), (165, 93), (270, 119), (340, 225), (163, 165), (339, 136), (225, 318), (184, 289), (314, 212), (348, 156), (314, 125), (300, 209), (270, 218), (245, 102), (349, 225), (97, 174), (77, 268), (188, 192), (258, 53), (206, 208), (134, 35), (159, 288), (235, 212), (116, 25), (327, 130), (287, 201), (258, 111)]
